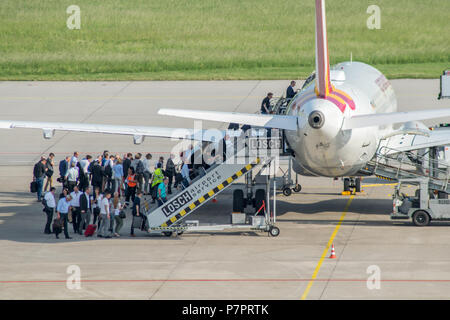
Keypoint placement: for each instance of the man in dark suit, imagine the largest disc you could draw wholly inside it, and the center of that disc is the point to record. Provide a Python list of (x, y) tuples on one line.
[(85, 208), (63, 167), (96, 174), (290, 92), (265, 105), (136, 210), (39, 171)]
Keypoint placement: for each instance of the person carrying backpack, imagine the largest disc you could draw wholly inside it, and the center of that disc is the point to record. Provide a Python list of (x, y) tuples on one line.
[(170, 172), (147, 173), (108, 173), (140, 168)]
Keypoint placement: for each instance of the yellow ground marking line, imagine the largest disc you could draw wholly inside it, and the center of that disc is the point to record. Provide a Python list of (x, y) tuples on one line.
[(325, 251), (379, 184)]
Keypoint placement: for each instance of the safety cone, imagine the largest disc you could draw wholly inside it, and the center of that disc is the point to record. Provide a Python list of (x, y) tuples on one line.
[(333, 254)]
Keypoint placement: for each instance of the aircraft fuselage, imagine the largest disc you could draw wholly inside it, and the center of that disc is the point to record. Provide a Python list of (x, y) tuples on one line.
[(321, 146)]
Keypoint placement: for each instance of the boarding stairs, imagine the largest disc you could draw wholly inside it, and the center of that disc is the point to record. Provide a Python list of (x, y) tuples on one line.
[(391, 164), (206, 186)]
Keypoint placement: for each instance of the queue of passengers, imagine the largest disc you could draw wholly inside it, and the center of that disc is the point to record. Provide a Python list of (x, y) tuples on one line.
[(98, 191)]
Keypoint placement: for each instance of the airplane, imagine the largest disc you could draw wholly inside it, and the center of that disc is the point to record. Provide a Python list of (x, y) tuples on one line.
[(334, 125)]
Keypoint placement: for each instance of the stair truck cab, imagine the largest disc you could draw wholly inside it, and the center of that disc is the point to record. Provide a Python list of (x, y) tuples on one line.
[(426, 205)]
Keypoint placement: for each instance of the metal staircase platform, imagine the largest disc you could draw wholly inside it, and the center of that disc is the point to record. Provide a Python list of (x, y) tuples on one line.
[(397, 165), (202, 190)]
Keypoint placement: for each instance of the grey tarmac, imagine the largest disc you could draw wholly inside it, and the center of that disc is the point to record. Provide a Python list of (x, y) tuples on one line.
[(414, 262)]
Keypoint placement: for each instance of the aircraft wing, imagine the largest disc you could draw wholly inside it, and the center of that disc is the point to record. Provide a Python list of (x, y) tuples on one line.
[(138, 132), (258, 120), (378, 119), (410, 142)]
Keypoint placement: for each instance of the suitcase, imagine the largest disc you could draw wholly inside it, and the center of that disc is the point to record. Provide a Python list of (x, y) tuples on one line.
[(90, 230), (33, 187), (137, 221)]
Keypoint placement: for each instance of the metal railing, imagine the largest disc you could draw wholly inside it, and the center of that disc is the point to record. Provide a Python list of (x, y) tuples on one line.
[(397, 164)]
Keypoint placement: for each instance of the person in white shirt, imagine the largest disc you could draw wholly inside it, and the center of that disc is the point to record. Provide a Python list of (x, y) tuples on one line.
[(84, 175), (74, 159), (76, 213), (62, 211), (105, 215), (116, 207), (72, 176), (49, 209), (147, 173)]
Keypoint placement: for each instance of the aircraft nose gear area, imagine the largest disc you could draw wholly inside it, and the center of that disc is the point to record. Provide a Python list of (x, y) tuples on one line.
[(352, 185)]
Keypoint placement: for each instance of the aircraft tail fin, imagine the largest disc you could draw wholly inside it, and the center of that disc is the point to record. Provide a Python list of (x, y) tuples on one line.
[(323, 82)]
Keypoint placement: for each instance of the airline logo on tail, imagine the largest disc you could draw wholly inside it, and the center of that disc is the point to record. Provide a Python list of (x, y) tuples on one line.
[(324, 89)]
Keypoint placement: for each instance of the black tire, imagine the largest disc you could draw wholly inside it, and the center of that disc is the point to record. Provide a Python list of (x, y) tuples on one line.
[(287, 191), (346, 184), (358, 185), (238, 201), (420, 218), (297, 188), (167, 233), (260, 196), (274, 231)]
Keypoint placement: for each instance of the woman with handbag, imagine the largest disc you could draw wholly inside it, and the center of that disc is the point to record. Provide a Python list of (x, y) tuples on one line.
[(119, 214)]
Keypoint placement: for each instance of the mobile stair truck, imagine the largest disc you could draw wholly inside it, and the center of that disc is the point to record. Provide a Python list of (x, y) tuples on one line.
[(170, 218), (424, 169)]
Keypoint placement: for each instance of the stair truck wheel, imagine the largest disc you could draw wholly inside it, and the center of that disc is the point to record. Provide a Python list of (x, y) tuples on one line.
[(260, 196), (421, 218), (274, 231), (167, 233), (297, 188), (238, 200), (358, 185), (287, 191), (346, 184)]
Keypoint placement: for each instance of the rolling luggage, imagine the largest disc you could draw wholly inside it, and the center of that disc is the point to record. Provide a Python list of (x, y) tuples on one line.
[(137, 221), (90, 230)]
